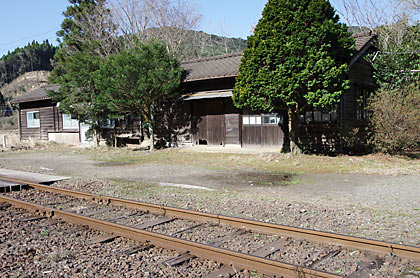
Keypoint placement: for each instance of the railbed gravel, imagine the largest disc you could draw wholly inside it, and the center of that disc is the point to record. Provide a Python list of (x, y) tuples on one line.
[(341, 264), (36, 249)]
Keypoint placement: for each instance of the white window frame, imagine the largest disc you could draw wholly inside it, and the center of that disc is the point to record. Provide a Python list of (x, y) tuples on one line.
[(33, 123), (69, 123), (254, 119)]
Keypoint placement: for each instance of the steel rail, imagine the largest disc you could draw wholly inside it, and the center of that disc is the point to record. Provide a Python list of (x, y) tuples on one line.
[(225, 256), (377, 246)]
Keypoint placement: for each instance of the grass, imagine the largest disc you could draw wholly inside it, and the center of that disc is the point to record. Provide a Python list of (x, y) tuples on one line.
[(273, 163)]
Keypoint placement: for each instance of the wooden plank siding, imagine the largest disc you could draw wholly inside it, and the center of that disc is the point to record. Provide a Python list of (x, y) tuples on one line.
[(251, 135), (272, 135), (29, 132), (232, 127), (51, 120)]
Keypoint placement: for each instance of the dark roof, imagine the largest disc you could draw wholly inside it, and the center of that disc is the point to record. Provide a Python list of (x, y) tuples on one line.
[(212, 67), (363, 38), (203, 68), (228, 65), (38, 94)]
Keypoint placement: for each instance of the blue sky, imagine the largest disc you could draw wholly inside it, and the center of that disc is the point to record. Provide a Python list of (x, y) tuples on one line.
[(23, 21)]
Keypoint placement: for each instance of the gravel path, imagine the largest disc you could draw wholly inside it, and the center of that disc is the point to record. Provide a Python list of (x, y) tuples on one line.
[(397, 193)]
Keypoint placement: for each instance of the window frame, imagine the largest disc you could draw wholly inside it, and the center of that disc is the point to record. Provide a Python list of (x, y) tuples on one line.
[(71, 121), (35, 123)]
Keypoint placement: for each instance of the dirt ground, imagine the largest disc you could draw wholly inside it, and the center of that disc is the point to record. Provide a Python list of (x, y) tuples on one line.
[(379, 206)]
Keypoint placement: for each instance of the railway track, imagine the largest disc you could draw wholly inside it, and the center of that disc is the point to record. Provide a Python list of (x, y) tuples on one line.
[(237, 243)]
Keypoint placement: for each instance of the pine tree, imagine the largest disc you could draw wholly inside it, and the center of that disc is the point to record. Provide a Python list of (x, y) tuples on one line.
[(296, 58), (76, 62), (135, 80)]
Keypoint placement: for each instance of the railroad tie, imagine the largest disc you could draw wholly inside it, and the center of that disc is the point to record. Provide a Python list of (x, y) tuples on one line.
[(220, 240), (267, 250), (179, 260), (114, 219), (366, 266), (136, 249), (187, 256), (187, 229), (52, 223), (317, 261), (4, 206), (101, 239), (155, 222), (80, 208), (101, 211), (31, 218), (224, 272)]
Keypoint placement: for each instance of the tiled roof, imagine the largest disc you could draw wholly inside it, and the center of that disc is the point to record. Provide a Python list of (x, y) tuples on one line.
[(212, 67), (228, 65), (198, 69), (363, 38), (38, 94)]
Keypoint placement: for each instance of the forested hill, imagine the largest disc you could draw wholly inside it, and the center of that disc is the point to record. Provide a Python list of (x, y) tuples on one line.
[(200, 44), (35, 56)]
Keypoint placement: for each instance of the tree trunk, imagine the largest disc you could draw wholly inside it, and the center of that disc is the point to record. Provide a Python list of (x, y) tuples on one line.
[(294, 133), (95, 138), (151, 127)]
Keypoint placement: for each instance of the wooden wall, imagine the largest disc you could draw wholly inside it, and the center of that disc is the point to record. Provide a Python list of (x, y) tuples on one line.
[(51, 120), (262, 135), (232, 128)]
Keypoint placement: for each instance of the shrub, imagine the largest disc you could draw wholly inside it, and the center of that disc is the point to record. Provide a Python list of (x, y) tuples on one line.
[(396, 119)]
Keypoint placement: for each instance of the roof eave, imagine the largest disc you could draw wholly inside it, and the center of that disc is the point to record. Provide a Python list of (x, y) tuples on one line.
[(210, 78)]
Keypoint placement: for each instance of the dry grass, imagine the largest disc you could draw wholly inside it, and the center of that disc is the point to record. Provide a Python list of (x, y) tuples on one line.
[(12, 137), (272, 162)]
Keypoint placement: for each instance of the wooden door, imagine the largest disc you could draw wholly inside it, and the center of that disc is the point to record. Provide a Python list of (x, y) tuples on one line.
[(215, 129), (232, 129)]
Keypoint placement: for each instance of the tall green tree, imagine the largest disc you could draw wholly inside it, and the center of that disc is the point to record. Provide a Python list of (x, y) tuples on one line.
[(135, 80), (296, 58), (79, 57)]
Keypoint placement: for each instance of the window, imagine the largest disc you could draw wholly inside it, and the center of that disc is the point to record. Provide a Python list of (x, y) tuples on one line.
[(108, 123), (251, 119), (265, 119), (70, 121), (362, 100), (272, 119), (33, 119), (318, 116)]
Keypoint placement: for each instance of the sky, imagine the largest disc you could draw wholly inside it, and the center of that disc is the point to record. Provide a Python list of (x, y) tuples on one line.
[(23, 21)]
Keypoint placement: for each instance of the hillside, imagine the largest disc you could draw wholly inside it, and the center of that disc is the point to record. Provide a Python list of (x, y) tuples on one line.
[(33, 57), (201, 44), (27, 82)]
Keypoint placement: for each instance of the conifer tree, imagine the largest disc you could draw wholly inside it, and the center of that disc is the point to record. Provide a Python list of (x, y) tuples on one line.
[(296, 58), (135, 80), (77, 60)]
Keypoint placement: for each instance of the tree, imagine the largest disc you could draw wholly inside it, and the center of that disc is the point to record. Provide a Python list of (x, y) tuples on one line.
[(135, 80), (165, 20), (34, 56), (296, 58), (86, 32), (397, 62), (78, 93)]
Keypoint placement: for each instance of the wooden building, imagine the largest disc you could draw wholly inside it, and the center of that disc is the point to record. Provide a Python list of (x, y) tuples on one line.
[(208, 85), (206, 114), (40, 119)]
